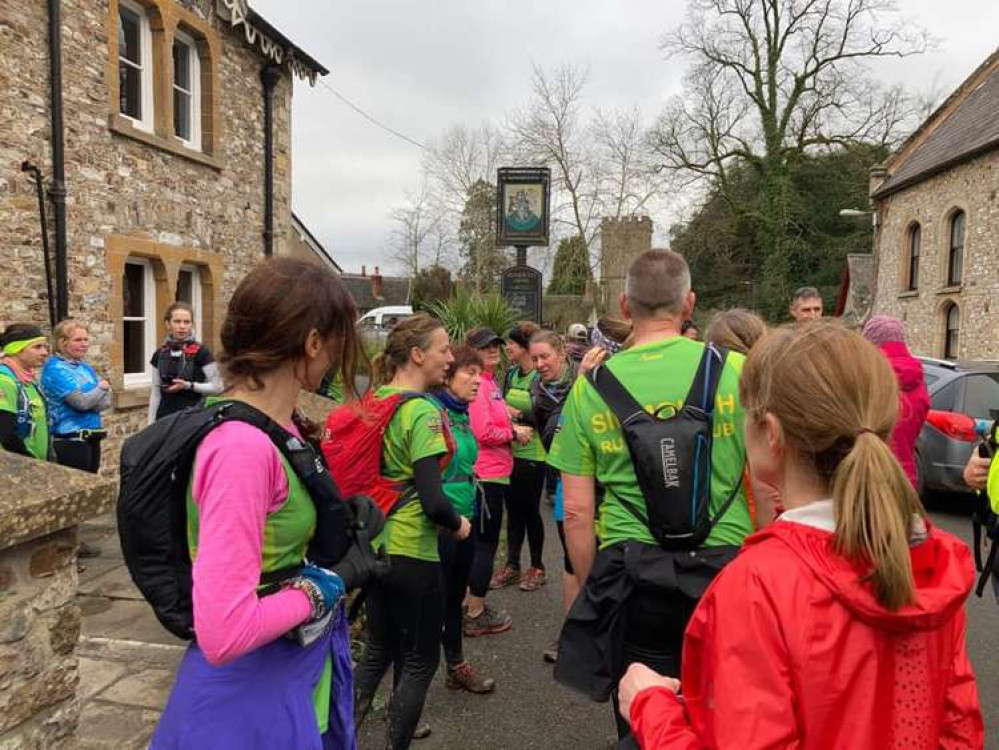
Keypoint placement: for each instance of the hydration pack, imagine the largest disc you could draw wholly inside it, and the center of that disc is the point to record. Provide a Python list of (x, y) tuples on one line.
[(353, 443), (24, 421), (156, 467), (671, 453)]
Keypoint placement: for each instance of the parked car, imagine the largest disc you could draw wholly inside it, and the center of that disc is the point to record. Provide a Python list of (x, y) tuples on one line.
[(377, 323), (964, 397)]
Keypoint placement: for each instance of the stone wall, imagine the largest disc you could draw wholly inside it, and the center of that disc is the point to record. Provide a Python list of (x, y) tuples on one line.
[(621, 241), (39, 616), (972, 187), (208, 211)]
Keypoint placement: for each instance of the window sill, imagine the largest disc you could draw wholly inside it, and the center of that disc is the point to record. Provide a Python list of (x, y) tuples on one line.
[(131, 398), (956, 289), (121, 125), (908, 294)]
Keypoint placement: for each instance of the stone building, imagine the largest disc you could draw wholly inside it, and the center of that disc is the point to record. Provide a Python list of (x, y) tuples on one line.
[(621, 241), (303, 244), (374, 290), (937, 242), (165, 112)]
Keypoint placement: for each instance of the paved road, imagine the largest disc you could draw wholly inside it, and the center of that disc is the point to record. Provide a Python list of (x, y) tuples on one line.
[(529, 710)]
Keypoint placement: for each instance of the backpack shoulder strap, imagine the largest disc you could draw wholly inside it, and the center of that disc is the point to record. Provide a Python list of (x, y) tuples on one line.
[(617, 397), (23, 400), (702, 390)]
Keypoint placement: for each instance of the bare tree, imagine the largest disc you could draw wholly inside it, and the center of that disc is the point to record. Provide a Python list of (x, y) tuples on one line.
[(772, 80), (601, 165), (417, 236), (460, 158)]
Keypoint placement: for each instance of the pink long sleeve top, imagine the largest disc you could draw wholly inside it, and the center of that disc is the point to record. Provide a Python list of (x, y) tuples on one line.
[(238, 481), (493, 431)]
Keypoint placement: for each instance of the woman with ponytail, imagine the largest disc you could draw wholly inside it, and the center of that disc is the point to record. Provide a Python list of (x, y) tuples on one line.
[(841, 624), (406, 607)]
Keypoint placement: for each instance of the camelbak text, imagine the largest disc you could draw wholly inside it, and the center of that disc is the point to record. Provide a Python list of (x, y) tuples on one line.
[(671, 472)]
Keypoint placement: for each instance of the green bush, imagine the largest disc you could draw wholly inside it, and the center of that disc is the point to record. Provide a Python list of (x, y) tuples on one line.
[(465, 311)]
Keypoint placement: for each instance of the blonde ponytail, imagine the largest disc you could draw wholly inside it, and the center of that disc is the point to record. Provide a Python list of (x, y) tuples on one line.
[(874, 505), (836, 398), (382, 371)]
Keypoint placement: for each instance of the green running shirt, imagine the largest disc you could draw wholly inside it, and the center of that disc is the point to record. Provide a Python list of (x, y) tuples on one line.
[(590, 442), (415, 432), (518, 395)]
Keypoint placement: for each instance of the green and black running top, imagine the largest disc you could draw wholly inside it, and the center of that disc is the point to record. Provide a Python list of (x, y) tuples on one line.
[(459, 476), (517, 392), (23, 400)]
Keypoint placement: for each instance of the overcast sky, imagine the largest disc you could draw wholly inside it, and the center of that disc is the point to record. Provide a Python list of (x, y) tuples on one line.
[(422, 67)]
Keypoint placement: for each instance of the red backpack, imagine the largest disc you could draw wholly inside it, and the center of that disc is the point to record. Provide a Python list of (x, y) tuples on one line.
[(354, 440)]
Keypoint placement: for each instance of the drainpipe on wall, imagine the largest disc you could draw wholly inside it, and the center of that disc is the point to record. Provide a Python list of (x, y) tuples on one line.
[(57, 191), (269, 76)]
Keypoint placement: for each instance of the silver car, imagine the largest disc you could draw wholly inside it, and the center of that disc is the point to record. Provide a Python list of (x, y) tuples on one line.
[(963, 399)]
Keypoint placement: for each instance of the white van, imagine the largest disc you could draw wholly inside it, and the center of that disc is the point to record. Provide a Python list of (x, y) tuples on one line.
[(381, 319)]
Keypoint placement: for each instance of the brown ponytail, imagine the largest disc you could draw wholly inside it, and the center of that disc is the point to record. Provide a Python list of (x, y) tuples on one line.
[(414, 331), (836, 399)]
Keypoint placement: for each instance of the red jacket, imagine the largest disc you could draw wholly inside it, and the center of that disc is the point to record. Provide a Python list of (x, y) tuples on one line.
[(790, 649), (913, 404)]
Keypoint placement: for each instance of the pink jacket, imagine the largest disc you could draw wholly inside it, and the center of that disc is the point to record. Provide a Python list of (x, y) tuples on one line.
[(913, 404), (493, 431)]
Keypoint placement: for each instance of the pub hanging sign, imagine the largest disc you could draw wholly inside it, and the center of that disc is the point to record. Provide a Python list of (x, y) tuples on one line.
[(522, 206)]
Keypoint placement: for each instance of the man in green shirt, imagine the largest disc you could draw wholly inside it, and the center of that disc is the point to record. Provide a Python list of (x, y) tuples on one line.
[(24, 424), (638, 597)]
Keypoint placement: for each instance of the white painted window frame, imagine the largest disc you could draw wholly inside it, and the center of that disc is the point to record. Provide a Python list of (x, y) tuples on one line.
[(146, 122), (143, 379), (196, 297), (194, 112)]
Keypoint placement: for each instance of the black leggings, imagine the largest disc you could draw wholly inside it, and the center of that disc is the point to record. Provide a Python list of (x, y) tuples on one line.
[(77, 454), (456, 565), (523, 505), (653, 635), (492, 497), (404, 629)]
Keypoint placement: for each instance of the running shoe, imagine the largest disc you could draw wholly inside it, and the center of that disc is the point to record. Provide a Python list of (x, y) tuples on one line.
[(534, 578), (488, 622), (550, 654), (422, 731), (463, 676), (505, 576)]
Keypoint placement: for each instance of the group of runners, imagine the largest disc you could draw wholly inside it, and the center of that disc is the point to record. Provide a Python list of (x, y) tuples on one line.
[(839, 623)]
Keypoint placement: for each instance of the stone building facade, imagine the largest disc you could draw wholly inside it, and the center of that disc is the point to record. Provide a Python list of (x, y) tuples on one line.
[(164, 162), (937, 242), (621, 241)]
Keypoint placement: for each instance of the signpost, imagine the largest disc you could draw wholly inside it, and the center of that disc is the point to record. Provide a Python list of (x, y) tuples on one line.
[(521, 288), (522, 196)]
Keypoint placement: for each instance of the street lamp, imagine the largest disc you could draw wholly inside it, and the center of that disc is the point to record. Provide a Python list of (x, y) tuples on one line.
[(853, 213)]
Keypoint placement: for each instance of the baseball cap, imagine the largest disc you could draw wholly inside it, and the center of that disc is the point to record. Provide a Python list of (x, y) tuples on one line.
[(480, 338), (577, 332)]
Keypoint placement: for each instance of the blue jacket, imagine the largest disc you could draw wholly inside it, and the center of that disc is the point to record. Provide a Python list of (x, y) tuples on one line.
[(61, 379)]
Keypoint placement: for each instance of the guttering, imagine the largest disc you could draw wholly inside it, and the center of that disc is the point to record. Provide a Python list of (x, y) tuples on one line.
[(27, 166), (57, 190), (269, 76)]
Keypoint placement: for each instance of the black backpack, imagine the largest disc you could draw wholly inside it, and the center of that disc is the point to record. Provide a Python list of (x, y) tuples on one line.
[(671, 454), (156, 466)]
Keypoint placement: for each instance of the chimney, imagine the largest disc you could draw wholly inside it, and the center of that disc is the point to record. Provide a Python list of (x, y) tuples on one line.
[(364, 270), (376, 284)]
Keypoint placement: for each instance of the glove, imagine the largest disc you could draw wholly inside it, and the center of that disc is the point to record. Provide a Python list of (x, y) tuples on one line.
[(330, 585), (361, 564)]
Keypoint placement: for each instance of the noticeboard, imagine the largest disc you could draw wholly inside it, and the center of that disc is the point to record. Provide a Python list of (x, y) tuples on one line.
[(521, 288), (522, 206)]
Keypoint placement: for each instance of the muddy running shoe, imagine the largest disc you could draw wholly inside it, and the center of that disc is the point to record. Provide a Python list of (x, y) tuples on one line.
[(550, 654), (463, 676), (505, 576), (422, 732), (534, 578), (487, 622)]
